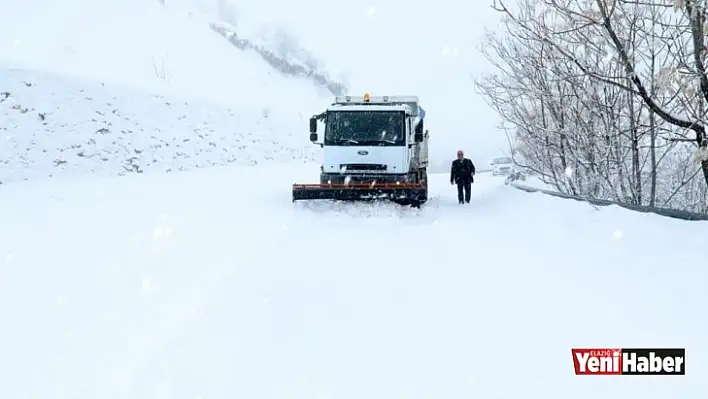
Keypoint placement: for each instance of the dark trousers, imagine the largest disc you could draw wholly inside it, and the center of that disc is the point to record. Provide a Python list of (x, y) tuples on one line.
[(464, 188)]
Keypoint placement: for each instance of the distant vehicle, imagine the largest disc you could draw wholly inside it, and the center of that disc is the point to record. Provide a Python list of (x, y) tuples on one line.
[(502, 166)]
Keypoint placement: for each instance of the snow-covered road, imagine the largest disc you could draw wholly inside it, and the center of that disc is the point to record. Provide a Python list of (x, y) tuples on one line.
[(212, 284)]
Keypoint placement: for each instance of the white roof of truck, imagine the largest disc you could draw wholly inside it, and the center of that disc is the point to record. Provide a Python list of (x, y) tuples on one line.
[(410, 104), (357, 107), (376, 99)]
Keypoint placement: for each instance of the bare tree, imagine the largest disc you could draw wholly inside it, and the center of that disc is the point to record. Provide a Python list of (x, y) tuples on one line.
[(578, 86)]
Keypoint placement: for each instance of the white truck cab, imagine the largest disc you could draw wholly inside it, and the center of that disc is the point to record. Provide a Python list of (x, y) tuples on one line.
[(372, 140)]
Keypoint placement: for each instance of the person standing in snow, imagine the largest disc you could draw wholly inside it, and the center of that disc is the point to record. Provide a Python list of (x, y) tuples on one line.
[(462, 174)]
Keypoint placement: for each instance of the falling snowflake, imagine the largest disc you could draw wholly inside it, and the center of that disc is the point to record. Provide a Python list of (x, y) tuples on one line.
[(158, 232)]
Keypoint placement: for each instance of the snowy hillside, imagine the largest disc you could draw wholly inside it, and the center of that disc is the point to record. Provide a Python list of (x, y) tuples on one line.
[(53, 125), (144, 45), (120, 87)]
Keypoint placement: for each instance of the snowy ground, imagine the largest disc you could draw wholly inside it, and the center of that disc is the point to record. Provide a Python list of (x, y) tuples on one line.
[(212, 284), (536, 182)]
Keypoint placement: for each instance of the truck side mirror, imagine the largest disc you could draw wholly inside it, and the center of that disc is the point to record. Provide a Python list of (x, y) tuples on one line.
[(418, 137), (419, 128), (313, 126), (313, 137)]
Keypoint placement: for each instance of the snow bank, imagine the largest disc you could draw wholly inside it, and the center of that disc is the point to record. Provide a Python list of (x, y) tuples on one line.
[(536, 182)]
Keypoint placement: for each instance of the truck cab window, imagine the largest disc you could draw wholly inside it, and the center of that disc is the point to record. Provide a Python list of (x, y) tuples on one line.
[(382, 128)]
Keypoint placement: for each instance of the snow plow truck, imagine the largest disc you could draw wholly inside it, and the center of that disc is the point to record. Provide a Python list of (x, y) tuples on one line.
[(374, 148)]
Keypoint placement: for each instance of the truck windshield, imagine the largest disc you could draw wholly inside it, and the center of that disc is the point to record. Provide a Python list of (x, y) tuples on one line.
[(359, 128)]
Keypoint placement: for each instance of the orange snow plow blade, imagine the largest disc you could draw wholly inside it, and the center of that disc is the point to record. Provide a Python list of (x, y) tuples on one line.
[(402, 191)]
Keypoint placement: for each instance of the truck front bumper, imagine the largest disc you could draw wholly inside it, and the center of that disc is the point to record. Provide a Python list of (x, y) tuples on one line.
[(363, 178), (404, 191)]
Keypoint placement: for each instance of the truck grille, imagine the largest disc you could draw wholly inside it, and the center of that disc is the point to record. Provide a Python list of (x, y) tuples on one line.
[(360, 167)]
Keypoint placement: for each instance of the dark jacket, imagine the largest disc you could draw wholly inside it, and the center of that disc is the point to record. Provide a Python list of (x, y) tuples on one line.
[(462, 172)]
